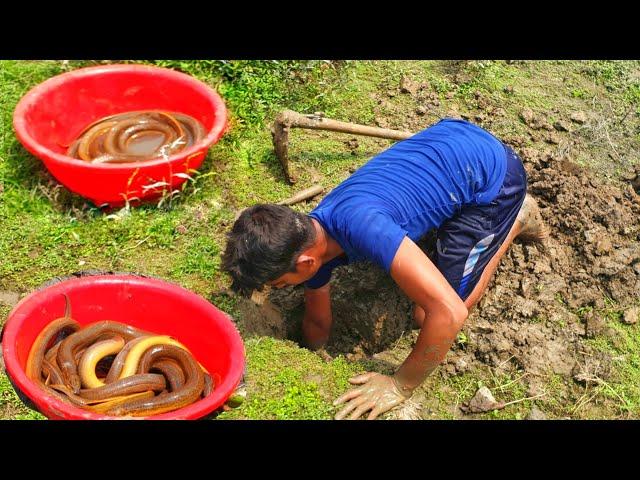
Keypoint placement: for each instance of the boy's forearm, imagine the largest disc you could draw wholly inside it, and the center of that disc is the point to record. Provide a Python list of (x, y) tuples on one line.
[(316, 324), (445, 312), (315, 334), (434, 341)]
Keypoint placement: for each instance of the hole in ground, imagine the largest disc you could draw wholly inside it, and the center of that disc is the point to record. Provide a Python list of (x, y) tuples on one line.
[(370, 312)]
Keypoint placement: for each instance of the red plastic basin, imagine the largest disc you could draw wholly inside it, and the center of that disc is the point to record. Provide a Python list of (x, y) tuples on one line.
[(146, 303), (53, 114)]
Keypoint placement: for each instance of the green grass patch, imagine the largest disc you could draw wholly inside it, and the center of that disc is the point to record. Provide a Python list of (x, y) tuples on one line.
[(286, 382), (623, 389), (10, 404)]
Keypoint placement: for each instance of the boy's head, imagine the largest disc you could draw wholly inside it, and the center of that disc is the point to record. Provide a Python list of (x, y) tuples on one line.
[(270, 244)]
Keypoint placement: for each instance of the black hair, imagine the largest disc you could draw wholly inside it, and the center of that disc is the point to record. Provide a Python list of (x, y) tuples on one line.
[(264, 244)]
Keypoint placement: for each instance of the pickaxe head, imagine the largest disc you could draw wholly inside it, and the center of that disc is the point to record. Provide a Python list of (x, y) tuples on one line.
[(280, 135)]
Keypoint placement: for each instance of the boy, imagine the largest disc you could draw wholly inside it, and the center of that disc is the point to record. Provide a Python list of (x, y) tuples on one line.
[(455, 177)]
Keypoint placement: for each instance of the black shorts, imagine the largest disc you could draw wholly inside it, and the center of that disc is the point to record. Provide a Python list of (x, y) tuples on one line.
[(469, 240)]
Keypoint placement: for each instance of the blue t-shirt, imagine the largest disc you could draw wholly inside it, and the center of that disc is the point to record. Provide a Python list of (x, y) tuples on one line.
[(409, 189)]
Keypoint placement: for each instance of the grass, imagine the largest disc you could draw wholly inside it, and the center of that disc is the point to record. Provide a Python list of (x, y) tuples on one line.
[(10, 404), (451, 392), (49, 232), (623, 388), (299, 385), (620, 393)]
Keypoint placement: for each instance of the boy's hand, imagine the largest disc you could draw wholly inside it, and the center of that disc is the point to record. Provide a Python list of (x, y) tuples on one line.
[(378, 393)]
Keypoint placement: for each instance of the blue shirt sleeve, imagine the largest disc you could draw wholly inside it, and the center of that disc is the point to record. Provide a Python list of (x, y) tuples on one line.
[(323, 275)]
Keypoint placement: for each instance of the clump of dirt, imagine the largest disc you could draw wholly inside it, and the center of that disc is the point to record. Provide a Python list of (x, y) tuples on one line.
[(9, 298)]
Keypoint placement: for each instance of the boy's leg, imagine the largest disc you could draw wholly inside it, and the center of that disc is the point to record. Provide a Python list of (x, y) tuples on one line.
[(528, 226)]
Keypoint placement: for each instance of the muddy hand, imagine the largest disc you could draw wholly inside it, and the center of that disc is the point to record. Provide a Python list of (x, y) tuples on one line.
[(378, 394)]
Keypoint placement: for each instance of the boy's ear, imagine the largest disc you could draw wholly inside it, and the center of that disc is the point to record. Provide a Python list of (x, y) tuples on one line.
[(305, 261)]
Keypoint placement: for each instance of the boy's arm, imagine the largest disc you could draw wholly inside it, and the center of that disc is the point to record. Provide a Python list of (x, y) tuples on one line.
[(316, 324), (419, 278)]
